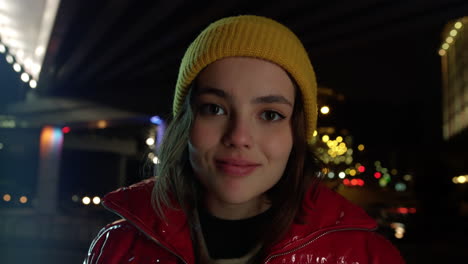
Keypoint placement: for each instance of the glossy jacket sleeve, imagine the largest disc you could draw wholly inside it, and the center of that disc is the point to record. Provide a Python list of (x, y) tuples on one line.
[(111, 245)]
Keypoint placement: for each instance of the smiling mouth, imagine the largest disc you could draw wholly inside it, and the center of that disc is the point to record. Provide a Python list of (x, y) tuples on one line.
[(236, 168)]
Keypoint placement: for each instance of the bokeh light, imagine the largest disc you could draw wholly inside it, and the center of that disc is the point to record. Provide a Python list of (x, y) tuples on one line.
[(325, 110), (6, 197), (23, 199), (33, 84), (86, 200), (96, 200), (341, 175), (150, 141)]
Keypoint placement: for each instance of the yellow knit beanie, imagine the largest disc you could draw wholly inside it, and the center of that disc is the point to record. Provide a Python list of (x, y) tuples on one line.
[(251, 36)]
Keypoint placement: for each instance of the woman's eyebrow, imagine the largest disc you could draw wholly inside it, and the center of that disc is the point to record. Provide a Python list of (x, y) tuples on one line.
[(211, 90), (268, 99), (272, 99)]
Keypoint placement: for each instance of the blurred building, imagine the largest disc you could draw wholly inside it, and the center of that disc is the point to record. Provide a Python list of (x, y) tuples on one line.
[(454, 56), (58, 155), (454, 62)]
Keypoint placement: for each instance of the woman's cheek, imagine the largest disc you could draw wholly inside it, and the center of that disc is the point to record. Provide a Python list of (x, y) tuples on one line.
[(204, 133), (278, 143)]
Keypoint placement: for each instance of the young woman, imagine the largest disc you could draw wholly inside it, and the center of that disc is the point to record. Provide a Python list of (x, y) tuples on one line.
[(238, 181)]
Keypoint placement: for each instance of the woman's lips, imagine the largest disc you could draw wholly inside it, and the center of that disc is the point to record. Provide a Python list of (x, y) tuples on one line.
[(236, 167)]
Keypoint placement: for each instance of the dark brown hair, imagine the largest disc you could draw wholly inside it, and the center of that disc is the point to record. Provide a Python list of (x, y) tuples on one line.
[(176, 186)]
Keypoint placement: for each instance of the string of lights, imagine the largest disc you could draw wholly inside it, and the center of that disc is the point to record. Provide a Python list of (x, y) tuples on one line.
[(452, 36), (17, 67)]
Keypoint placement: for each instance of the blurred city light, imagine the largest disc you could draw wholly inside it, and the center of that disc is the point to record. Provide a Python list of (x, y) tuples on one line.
[(387, 177), (353, 182), (1, 145), (315, 133), (352, 172), (75, 198), (399, 229), (445, 46), (325, 138), (9, 58), (361, 168), (377, 175), (86, 200), (341, 175), (462, 179), (449, 40), (66, 129), (33, 84), (101, 124), (325, 110), (6, 197), (51, 140), (331, 175), (156, 120), (400, 187), (2, 48), (360, 147), (453, 32), (96, 200), (23, 199), (394, 171), (442, 52), (382, 182), (458, 25), (16, 67), (155, 160), (25, 77), (150, 141)]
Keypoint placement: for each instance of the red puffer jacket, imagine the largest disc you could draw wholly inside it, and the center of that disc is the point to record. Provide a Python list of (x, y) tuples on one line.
[(338, 232)]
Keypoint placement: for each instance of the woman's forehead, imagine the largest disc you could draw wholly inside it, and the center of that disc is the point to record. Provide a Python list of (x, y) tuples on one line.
[(246, 76)]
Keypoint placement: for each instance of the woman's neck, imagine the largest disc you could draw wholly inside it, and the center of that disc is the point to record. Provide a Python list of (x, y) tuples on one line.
[(229, 211)]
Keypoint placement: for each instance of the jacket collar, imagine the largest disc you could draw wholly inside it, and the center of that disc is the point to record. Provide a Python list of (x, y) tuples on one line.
[(322, 212), (133, 203)]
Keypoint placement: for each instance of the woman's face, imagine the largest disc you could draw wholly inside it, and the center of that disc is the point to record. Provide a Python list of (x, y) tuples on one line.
[(241, 137)]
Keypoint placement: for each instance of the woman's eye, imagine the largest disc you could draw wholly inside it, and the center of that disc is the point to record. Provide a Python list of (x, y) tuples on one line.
[(211, 109), (271, 116)]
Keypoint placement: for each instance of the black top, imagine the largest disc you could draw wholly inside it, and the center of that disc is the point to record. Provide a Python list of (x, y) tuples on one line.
[(227, 239)]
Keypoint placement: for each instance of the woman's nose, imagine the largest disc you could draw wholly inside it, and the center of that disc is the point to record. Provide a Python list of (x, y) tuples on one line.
[(238, 133)]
